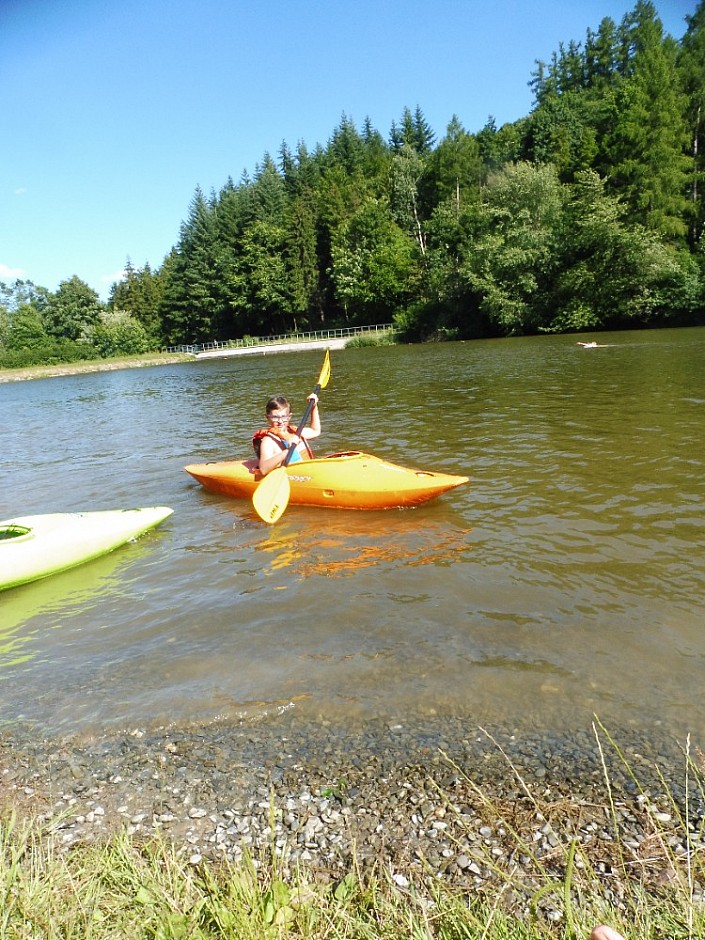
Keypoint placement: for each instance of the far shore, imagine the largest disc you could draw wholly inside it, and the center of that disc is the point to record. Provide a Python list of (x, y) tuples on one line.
[(159, 359), (91, 365)]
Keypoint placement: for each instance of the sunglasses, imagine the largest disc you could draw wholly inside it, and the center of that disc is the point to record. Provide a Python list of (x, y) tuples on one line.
[(279, 419)]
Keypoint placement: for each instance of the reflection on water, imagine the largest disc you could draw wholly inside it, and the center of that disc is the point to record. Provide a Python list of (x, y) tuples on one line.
[(567, 579), (51, 603), (344, 543)]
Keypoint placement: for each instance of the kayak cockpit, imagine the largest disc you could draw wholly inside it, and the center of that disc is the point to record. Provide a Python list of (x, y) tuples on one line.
[(15, 532)]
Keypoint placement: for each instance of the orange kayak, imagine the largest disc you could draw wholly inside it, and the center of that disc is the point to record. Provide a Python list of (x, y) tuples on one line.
[(351, 480)]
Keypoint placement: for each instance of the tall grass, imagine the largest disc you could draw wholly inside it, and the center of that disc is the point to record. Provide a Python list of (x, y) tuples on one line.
[(381, 338), (585, 868)]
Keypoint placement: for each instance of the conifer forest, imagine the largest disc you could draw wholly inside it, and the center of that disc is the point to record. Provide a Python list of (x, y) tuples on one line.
[(586, 214)]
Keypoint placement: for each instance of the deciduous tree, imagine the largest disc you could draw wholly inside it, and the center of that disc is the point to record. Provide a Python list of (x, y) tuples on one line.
[(72, 310)]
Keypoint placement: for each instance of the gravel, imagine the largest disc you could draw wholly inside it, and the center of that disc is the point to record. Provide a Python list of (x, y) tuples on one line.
[(431, 798)]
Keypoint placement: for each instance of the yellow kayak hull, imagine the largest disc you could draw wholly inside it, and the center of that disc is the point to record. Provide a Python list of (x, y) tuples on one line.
[(351, 480)]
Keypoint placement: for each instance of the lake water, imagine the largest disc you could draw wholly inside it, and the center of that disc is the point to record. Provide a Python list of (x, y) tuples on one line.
[(566, 580)]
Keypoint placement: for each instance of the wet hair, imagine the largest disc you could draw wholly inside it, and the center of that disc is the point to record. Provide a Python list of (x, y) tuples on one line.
[(278, 401)]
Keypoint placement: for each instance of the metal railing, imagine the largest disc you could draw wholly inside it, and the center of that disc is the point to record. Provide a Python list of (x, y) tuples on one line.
[(278, 340)]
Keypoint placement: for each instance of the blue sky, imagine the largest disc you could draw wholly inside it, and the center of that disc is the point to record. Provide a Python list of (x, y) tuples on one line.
[(113, 111)]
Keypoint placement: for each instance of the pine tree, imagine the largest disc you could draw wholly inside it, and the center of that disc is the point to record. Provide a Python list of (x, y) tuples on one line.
[(302, 261), (269, 193), (414, 132), (455, 167), (562, 131), (139, 294), (193, 292), (302, 226), (691, 66), (376, 152), (645, 151), (346, 148), (601, 55)]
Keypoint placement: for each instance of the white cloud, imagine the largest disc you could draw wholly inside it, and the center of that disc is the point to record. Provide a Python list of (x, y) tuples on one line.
[(111, 278), (8, 273), (20, 191)]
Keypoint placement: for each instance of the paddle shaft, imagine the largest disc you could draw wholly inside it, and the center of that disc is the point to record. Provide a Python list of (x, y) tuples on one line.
[(302, 424)]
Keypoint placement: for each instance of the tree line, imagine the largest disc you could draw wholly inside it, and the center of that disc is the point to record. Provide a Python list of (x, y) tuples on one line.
[(587, 214)]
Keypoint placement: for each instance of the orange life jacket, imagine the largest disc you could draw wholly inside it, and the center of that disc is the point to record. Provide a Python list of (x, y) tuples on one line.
[(282, 439)]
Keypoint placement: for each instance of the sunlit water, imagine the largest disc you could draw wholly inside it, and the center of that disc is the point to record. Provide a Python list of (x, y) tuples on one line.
[(566, 580)]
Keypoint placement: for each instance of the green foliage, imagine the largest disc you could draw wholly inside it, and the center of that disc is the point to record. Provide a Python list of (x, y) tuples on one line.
[(346, 148), (51, 352), (511, 263), (72, 310), (362, 340), (68, 326), (480, 233), (414, 133), (192, 295), (407, 170), (140, 294), (691, 73), (119, 334), (374, 264), (25, 329), (263, 272), (562, 132), (303, 272), (613, 274), (454, 168), (646, 147), (21, 292)]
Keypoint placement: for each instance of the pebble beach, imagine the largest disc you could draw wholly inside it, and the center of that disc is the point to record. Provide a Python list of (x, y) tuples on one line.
[(431, 798)]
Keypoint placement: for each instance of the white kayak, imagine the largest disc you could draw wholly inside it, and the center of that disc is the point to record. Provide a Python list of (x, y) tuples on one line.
[(33, 547)]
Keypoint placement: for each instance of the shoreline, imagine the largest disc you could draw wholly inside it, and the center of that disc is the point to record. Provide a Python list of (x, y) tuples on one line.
[(414, 799), (162, 359), (263, 349), (90, 365)]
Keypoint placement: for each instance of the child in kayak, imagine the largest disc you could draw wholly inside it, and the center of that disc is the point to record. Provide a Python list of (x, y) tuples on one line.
[(273, 443)]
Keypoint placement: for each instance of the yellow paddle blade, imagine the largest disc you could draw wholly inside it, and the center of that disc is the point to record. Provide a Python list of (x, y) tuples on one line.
[(271, 497), (325, 371)]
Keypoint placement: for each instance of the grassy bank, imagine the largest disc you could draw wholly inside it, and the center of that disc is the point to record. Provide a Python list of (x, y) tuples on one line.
[(637, 865), (149, 359), (92, 365)]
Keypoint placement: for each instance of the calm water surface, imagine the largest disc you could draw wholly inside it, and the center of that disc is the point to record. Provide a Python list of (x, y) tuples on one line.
[(567, 580)]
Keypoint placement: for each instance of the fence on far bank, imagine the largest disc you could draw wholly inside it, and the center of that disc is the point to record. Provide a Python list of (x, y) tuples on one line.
[(288, 338)]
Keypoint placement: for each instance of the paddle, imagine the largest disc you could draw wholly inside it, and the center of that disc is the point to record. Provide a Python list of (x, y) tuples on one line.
[(271, 497)]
